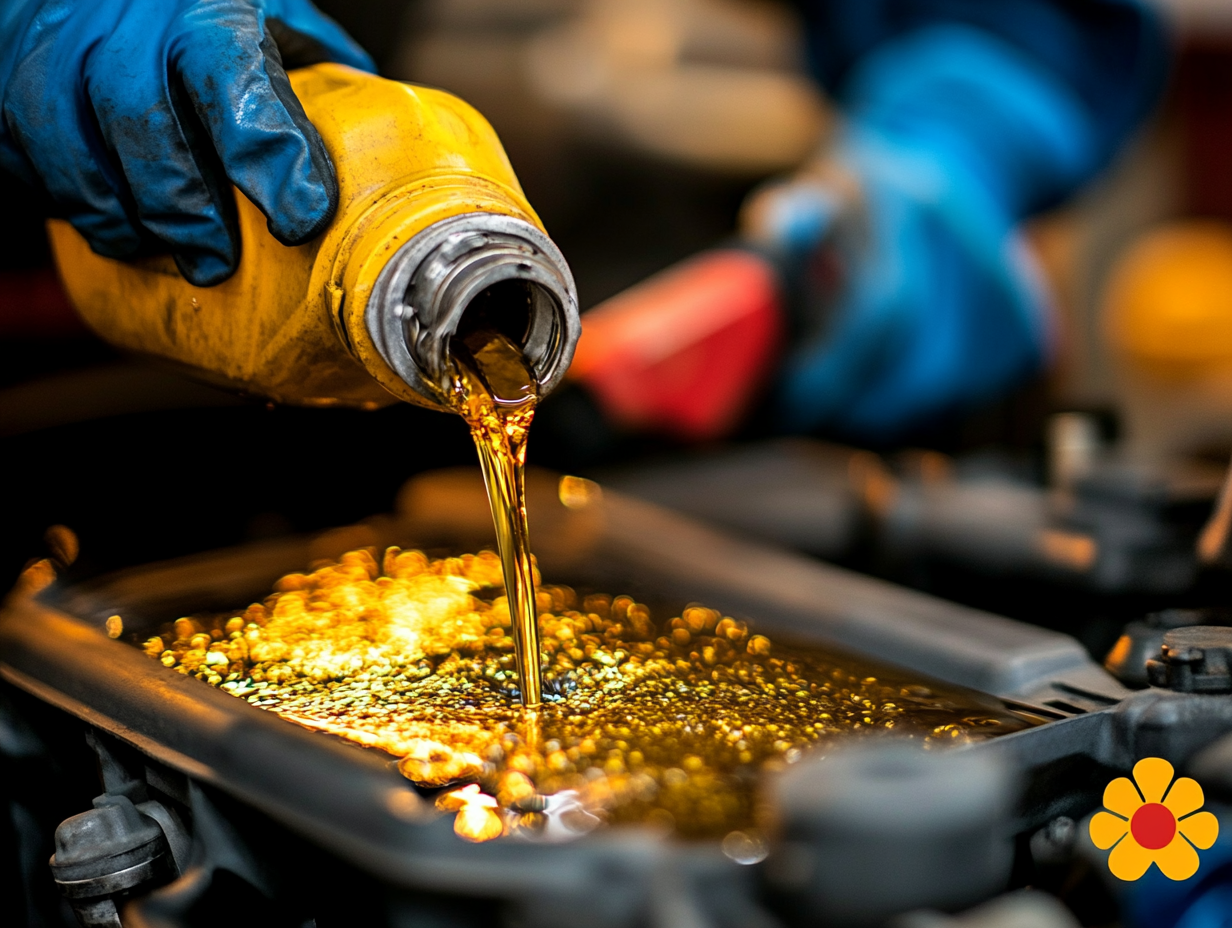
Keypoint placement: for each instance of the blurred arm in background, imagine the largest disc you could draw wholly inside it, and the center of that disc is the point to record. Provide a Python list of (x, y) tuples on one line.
[(961, 118), (888, 289)]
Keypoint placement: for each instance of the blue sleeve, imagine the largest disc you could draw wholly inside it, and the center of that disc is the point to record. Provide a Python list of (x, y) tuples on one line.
[(997, 73)]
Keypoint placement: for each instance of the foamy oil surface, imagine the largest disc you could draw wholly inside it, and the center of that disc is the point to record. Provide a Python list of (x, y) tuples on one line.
[(667, 719)]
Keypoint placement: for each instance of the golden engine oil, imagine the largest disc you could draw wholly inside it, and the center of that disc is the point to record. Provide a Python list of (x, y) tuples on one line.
[(667, 718), (435, 284)]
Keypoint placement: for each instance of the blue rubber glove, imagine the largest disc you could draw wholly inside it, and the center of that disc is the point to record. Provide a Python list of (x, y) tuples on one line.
[(949, 132), (137, 116)]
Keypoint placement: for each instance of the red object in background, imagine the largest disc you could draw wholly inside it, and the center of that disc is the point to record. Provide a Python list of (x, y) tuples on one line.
[(34, 304), (686, 351)]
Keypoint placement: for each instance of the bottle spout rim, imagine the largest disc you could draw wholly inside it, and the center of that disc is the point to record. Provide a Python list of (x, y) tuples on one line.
[(424, 291)]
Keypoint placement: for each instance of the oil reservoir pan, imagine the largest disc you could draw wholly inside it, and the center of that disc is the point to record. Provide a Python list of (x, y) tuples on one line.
[(356, 803)]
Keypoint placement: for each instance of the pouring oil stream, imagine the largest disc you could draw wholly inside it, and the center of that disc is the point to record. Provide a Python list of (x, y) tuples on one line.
[(495, 392)]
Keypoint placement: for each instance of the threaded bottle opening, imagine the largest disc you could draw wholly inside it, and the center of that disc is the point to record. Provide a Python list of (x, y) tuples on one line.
[(468, 274)]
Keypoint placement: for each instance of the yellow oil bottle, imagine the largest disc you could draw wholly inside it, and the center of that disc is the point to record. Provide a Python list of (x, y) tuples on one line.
[(433, 239)]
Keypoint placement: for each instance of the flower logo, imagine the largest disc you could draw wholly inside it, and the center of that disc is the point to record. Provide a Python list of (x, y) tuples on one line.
[(1152, 824)]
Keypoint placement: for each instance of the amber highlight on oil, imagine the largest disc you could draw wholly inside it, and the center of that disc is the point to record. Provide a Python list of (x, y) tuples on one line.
[(666, 720), (495, 393)]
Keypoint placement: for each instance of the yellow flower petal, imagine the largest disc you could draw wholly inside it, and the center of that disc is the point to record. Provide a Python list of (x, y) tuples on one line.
[(1153, 774), (1106, 829), (1129, 860), (1121, 797), (1184, 797), (1201, 828), (1177, 861)]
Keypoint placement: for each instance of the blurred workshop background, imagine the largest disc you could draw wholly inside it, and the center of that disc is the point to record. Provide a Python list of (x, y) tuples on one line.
[(638, 129)]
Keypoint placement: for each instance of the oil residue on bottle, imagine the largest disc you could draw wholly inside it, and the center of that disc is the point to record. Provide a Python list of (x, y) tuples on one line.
[(666, 719), (495, 393)]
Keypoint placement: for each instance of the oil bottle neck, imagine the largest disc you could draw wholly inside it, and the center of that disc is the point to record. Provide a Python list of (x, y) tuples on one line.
[(465, 274)]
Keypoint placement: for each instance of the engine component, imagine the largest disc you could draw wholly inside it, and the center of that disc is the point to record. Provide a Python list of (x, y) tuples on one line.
[(1022, 909), (1053, 844), (1197, 659), (104, 854), (1140, 641), (1112, 528), (121, 848), (293, 794), (872, 832)]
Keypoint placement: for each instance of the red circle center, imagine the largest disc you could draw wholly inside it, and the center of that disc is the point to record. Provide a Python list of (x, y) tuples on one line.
[(1153, 826)]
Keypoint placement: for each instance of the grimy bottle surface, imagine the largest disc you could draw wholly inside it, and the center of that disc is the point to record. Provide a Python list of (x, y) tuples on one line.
[(434, 252)]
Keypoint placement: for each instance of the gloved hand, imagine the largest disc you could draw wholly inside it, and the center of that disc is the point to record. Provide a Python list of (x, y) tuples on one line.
[(950, 135), (137, 116)]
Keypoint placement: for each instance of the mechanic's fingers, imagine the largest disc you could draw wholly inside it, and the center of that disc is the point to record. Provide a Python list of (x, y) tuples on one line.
[(181, 195), (789, 215), (330, 40), (796, 213), (87, 190), (232, 73)]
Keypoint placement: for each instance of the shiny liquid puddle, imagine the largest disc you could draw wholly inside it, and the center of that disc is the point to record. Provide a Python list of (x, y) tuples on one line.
[(663, 719)]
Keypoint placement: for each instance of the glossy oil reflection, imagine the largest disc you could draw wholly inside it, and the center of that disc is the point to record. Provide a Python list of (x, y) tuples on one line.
[(667, 720)]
